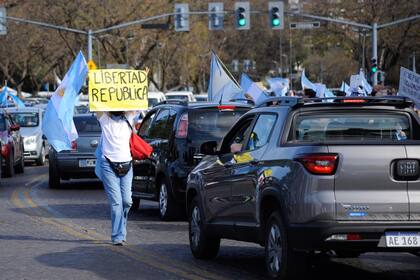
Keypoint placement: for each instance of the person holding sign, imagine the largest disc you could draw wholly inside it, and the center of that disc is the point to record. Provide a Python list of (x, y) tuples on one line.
[(114, 163)]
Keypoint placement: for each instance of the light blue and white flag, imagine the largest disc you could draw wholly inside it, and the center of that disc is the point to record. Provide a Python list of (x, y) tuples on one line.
[(246, 82), (58, 125), (306, 83), (280, 86), (18, 102), (3, 96), (345, 88), (222, 85)]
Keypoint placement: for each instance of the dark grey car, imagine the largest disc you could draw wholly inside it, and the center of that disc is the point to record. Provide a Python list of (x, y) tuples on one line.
[(311, 176), (79, 162)]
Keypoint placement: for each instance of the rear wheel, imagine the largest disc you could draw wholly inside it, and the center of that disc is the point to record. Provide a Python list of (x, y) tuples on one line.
[(20, 167), (9, 169), (202, 245), (40, 161), (281, 261), (54, 177), (136, 203), (167, 205)]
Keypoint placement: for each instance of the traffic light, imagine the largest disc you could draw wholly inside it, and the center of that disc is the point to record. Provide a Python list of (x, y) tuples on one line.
[(216, 16), (374, 66), (276, 14), (242, 16), (182, 21)]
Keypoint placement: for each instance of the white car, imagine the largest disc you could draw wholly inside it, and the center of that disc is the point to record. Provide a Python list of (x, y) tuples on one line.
[(202, 97), (30, 121), (155, 97), (180, 95)]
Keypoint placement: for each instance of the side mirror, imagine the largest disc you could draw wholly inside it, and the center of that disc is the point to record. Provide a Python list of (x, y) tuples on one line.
[(209, 148), (14, 127)]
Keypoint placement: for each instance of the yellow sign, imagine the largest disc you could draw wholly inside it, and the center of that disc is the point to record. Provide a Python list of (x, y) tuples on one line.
[(91, 65), (118, 90)]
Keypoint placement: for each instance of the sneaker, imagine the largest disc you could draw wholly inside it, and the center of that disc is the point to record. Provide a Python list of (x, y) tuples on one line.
[(117, 242)]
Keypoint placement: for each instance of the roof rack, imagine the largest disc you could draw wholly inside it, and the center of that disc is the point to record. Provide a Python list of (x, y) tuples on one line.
[(172, 101), (281, 101), (249, 101)]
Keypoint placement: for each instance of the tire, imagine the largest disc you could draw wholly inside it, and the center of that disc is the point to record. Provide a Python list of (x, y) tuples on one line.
[(136, 203), (9, 170), (347, 253), (281, 262), (40, 161), (54, 177), (20, 167), (168, 210), (202, 245)]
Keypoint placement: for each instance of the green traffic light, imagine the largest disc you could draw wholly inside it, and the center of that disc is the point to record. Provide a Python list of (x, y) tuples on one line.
[(374, 69), (242, 22), (275, 22)]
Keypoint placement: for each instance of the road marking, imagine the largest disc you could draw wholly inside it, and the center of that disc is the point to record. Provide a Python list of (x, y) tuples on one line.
[(74, 230)]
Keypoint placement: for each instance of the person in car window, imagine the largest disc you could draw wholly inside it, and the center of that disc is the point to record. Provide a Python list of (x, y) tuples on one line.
[(114, 168)]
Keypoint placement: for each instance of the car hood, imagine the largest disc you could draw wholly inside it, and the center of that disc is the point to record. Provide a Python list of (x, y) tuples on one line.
[(30, 131)]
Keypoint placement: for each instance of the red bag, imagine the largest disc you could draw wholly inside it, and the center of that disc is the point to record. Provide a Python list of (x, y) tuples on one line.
[(140, 149)]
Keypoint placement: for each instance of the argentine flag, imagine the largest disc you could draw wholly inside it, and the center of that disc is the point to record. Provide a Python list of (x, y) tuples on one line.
[(222, 85), (58, 125)]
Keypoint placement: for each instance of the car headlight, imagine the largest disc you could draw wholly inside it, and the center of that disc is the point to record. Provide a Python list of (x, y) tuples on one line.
[(30, 140)]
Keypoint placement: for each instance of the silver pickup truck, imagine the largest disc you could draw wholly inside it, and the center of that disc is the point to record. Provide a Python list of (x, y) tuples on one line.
[(299, 176)]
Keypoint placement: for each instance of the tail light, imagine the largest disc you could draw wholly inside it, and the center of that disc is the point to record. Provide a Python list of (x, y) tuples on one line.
[(4, 150), (73, 145), (226, 107), (354, 101), (319, 164), (182, 130)]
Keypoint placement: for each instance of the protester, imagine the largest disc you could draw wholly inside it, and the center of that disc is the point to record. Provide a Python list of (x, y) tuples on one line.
[(114, 165)]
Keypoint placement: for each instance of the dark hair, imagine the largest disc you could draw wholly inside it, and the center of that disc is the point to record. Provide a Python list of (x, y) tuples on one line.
[(117, 113)]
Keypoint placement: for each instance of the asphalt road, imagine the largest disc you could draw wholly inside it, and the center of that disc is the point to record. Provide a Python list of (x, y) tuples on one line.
[(64, 234)]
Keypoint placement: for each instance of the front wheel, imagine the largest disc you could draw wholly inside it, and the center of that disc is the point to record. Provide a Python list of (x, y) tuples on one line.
[(40, 161), (167, 204), (136, 203), (202, 245)]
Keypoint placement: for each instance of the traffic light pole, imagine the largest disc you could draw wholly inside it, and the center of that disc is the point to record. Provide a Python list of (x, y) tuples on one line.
[(375, 51)]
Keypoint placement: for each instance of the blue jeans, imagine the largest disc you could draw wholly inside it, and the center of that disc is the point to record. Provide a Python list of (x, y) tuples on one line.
[(118, 190)]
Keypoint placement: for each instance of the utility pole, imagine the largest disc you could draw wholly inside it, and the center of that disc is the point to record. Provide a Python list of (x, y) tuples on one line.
[(89, 44), (414, 62)]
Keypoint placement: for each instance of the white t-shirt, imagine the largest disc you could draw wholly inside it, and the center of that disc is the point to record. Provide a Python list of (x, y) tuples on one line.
[(116, 138)]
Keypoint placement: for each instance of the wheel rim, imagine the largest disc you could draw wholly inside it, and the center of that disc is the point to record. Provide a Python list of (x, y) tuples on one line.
[(42, 155), (275, 249), (163, 200), (195, 226)]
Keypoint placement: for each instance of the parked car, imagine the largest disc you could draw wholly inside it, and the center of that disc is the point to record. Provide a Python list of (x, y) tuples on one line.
[(180, 95), (202, 97), (311, 176), (30, 122), (79, 162), (176, 131), (155, 97), (11, 146)]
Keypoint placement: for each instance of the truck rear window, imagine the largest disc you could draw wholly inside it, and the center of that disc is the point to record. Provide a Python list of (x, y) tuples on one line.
[(211, 124), (87, 125), (350, 127)]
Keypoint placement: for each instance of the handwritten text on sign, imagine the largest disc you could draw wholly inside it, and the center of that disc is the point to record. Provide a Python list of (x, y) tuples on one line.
[(410, 85), (117, 90)]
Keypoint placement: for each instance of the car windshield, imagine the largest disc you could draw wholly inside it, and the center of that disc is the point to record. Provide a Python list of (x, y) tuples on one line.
[(211, 124), (82, 109), (177, 97), (152, 101), (26, 119), (87, 125), (351, 127)]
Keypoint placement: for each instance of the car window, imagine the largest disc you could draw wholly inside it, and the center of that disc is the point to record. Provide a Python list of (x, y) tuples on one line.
[(2, 123), (350, 127), (158, 128), (145, 126), (261, 132), (26, 119), (87, 125), (170, 124), (211, 124), (152, 101), (237, 137)]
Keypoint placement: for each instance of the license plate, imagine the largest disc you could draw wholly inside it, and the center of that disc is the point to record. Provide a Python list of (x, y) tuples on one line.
[(402, 239), (87, 163)]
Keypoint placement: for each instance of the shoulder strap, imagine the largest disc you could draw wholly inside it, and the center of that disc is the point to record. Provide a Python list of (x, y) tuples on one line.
[(128, 123)]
